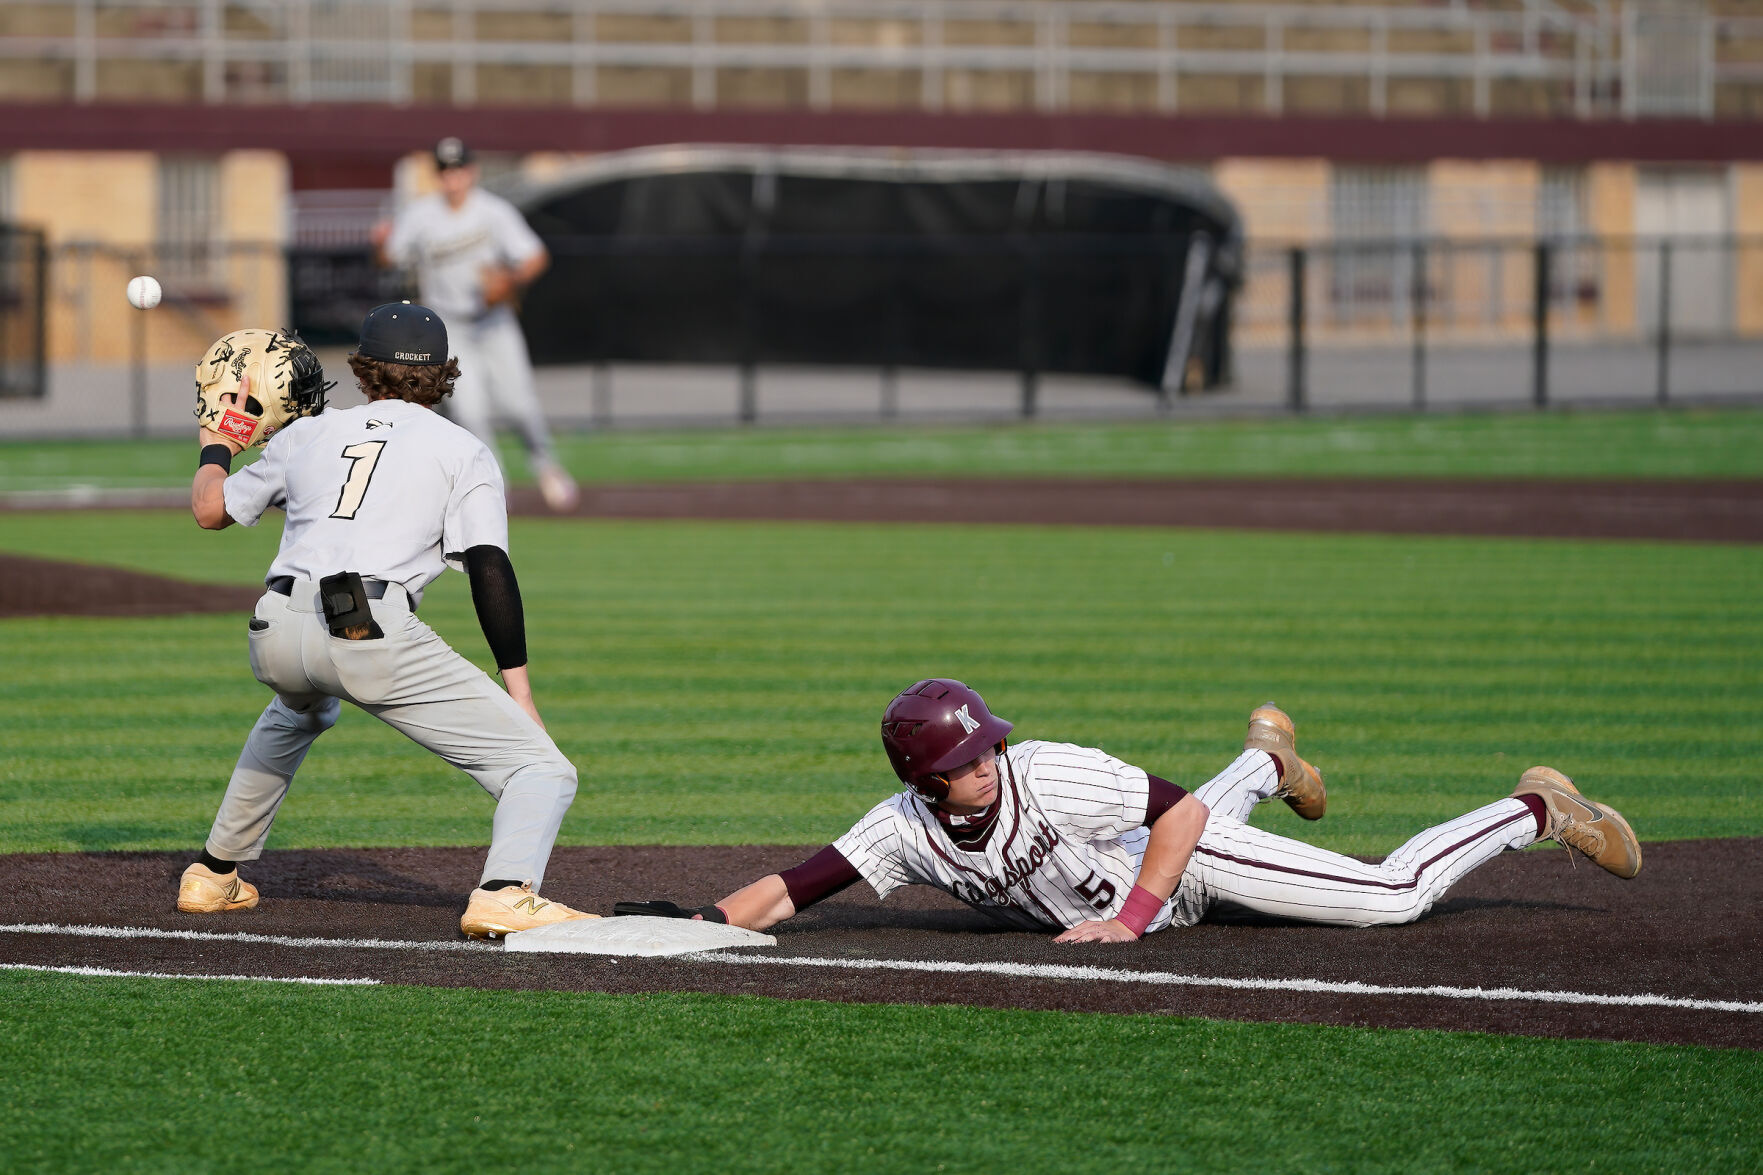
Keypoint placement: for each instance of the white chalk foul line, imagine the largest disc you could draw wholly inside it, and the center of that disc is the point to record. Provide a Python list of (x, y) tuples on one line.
[(1009, 970), (279, 940), (106, 972), (1173, 979)]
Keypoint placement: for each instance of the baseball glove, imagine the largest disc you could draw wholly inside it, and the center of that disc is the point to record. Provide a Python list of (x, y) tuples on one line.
[(285, 382)]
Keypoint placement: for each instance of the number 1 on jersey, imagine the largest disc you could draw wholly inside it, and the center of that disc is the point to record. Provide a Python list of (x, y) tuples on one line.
[(363, 457)]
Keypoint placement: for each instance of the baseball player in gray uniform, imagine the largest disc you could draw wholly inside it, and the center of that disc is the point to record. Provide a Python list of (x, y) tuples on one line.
[(473, 253), (1055, 837), (380, 498)]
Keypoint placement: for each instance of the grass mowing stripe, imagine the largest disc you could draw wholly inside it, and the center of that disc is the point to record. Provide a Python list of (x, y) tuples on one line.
[(1681, 442), (99, 1073), (719, 683)]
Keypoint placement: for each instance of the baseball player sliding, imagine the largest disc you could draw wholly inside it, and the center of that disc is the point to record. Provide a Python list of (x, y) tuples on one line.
[(1056, 837), (380, 499), (473, 253)]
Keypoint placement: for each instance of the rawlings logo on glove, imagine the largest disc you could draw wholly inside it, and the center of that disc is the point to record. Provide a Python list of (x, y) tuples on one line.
[(252, 382)]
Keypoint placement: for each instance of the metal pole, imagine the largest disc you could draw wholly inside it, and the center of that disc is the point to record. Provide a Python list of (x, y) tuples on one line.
[(747, 407), (1419, 307), (895, 343), (1664, 384), (1539, 376), (138, 366), (1295, 361), (1028, 322), (601, 413), (40, 326)]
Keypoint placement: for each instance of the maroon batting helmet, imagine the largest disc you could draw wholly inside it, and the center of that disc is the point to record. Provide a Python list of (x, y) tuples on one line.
[(934, 727)]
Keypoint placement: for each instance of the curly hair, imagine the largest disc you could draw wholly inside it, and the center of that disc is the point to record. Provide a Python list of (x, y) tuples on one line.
[(426, 385)]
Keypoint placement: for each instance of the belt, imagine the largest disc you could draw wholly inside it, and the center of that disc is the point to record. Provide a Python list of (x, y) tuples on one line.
[(283, 585)]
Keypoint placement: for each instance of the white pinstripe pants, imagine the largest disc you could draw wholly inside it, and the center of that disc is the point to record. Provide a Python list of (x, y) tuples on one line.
[(1247, 868)]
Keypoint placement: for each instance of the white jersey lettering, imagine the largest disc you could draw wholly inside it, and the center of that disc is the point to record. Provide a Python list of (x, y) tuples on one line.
[(1065, 847)]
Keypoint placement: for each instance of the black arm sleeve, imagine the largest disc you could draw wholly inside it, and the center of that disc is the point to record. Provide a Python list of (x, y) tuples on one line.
[(820, 876), (495, 593), (1164, 796)]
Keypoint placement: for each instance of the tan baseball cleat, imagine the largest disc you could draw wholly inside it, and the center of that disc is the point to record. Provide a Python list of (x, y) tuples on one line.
[(203, 891), (493, 913), (1597, 830), (1300, 784)]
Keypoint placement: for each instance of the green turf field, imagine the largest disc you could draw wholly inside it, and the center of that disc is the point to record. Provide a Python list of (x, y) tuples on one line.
[(1702, 442), (722, 683), (105, 1074)]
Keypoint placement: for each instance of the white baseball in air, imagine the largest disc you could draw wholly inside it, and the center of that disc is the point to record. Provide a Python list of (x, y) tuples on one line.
[(143, 293)]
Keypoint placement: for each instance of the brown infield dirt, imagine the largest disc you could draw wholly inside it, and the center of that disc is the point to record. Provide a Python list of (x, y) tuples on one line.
[(1688, 927)]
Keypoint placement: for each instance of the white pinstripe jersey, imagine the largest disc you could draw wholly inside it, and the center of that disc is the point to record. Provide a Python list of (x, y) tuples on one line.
[(1065, 848)]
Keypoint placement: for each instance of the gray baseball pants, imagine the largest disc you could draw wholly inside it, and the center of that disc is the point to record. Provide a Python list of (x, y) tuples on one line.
[(496, 379), (414, 682)]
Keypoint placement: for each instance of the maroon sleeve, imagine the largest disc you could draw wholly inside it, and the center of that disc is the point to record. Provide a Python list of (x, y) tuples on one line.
[(1164, 796), (820, 876)]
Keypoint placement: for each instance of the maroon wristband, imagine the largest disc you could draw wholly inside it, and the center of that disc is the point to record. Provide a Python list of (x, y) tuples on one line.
[(1141, 906)]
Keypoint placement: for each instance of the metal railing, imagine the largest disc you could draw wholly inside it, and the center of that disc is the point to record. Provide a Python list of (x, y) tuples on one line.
[(1591, 60), (1397, 325), (1489, 321)]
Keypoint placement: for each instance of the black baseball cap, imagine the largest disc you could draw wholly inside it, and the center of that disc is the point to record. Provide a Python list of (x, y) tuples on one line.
[(452, 152), (403, 332)]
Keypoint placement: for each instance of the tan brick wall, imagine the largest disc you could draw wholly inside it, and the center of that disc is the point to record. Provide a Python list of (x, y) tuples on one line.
[(1281, 200), (1747, 225), (1472, 201), (87, 195), (254, 196), (1610, 196), (108, 198)]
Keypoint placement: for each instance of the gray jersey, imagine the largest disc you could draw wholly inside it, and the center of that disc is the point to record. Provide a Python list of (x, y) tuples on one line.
[(1065, 848), (449, 249), (388, 489)]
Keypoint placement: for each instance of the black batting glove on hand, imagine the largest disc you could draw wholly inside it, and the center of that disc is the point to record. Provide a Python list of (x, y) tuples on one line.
[(666, 910)]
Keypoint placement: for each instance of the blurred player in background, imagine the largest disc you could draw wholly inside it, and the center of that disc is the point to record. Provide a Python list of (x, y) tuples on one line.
[(473, 253)]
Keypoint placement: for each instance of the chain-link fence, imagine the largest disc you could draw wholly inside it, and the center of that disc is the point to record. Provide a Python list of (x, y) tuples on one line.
[(1436, 323), (1442, 322)]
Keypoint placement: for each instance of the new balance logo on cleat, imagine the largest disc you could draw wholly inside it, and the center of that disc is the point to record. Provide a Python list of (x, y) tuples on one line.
[(495, 913)]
